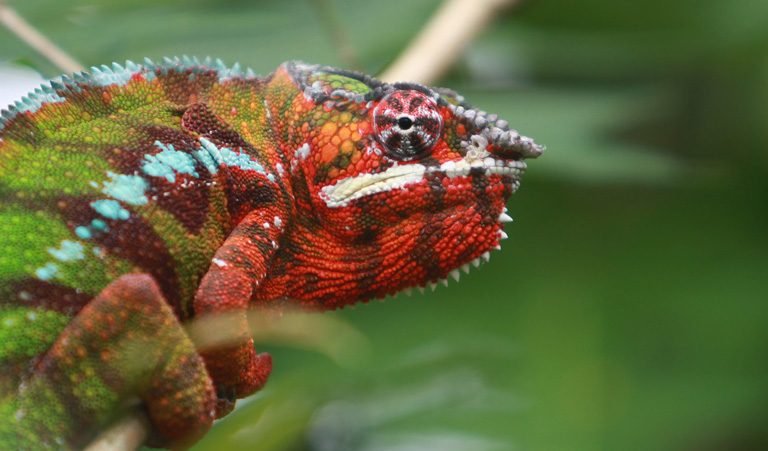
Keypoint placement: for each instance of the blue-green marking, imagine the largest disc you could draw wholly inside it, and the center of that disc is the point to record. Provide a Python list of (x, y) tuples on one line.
[(168, 163), (99, 225), (83, 232), (110, 209), (47, 272), (127, 188), (228, 157), (68, 251)]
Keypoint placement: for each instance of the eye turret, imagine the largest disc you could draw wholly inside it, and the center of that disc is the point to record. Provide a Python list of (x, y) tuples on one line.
[(408, 124)]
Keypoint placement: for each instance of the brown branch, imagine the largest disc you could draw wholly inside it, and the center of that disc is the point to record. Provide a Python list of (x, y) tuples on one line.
[(440, 43), (32, 37), (127, 434)]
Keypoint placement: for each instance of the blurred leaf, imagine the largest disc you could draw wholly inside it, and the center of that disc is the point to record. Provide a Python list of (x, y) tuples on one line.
[(325, 334)]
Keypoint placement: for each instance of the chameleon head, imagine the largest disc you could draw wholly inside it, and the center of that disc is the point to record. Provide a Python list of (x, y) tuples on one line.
[(407, 183)]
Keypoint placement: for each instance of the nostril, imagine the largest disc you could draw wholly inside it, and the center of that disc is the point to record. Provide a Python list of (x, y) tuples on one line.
[(475, 148), (479, 142)]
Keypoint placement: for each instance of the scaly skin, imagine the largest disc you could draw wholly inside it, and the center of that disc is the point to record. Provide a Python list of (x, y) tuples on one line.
[(134, 199)]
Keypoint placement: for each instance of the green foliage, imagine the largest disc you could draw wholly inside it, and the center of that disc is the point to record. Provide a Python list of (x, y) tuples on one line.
[(627, 309)]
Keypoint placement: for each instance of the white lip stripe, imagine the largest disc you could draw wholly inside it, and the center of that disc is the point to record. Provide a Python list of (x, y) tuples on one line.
[(346, 190)]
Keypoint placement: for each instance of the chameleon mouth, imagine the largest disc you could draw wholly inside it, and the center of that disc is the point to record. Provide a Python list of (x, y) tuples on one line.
[(491, 166), (346, 190)]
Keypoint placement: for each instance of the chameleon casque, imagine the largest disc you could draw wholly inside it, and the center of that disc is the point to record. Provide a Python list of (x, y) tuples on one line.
[(134, 198)]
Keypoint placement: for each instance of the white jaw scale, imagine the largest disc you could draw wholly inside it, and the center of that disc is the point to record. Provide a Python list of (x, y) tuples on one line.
[(346, 190)]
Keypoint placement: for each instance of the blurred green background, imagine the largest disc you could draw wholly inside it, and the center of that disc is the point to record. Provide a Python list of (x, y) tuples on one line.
[(628, 309)]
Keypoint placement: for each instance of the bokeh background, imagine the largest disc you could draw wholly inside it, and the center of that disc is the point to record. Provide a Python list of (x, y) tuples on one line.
[(629, 307)]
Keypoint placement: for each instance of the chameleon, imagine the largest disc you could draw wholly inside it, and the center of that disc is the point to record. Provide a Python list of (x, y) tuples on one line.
[(136, 197)]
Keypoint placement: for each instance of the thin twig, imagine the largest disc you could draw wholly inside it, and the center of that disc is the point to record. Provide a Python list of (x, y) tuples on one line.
[(32, 37), (329, 18), (443, 39)]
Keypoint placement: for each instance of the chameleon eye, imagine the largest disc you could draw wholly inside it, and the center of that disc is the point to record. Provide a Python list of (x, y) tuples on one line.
[(407, 123)]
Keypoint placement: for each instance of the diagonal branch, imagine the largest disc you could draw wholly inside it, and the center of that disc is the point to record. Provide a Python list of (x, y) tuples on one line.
[(440, 43), (128, 434), (35, 39)]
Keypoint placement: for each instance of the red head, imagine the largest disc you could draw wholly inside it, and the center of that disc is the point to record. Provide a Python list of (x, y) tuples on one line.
[(396, 185)]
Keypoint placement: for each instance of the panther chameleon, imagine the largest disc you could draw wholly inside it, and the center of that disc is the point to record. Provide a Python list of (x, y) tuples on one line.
[(134, 198)]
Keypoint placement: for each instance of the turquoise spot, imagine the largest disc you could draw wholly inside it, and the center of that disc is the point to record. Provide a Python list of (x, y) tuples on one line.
[(206, 160), (169, 162), (228, 157), (47, 272), (110, 209), (86, 232), (240, 160), (99, 225), (127, 188), (83, 232), (67, 251)]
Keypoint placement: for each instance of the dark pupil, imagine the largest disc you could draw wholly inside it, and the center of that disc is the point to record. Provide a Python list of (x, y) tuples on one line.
[(404, 123)]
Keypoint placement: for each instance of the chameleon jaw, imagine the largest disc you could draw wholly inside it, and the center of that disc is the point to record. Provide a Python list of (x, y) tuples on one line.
[(455, 273)]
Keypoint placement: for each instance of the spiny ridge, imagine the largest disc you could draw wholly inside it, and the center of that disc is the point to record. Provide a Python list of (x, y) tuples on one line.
[(55, 90)]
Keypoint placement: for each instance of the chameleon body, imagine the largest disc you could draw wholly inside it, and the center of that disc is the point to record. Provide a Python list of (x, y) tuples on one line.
[(134, 198)]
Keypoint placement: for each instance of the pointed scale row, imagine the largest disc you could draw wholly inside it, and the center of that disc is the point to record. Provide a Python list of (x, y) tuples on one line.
[(56, 89), (484, 258)]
